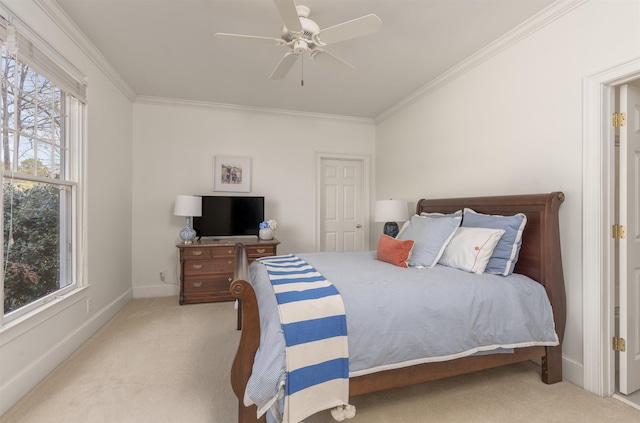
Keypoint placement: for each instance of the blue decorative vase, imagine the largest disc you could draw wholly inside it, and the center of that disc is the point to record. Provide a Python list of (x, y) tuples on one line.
[(187, 234), (391, 229)]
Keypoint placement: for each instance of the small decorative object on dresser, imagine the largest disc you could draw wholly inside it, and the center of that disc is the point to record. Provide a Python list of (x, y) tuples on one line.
[(266, 229), (206, 267), (391, 212)]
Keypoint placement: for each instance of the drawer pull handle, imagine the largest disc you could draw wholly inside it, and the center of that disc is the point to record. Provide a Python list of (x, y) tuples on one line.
[(261, 250), (230, 252), (197, 284), (230, 262), (230, 279), (197, 253), (197, 266)]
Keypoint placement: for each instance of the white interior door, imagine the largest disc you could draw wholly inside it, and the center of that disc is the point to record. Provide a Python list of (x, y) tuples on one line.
[(629, 248), (342, 226)]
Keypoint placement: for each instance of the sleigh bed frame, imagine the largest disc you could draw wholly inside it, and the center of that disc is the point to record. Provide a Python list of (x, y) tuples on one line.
[(540, 259)]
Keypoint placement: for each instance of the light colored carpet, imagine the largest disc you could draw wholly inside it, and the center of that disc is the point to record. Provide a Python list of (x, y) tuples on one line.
[(160, 362)]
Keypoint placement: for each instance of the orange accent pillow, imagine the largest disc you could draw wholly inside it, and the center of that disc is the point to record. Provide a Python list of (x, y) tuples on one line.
[(394, 251)]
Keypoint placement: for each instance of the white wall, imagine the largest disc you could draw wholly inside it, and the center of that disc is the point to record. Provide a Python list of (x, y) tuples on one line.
[(512, 125), (174, 146), (32, 349)]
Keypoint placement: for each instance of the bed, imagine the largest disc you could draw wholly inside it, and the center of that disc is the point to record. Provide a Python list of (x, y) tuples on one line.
[(539, 259)]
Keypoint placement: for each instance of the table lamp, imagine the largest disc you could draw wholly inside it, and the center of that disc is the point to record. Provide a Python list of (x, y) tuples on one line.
[(391, 212), (188, 206)]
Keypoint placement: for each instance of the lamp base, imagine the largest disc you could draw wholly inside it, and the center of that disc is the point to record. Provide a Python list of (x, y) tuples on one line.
[(391, 229), (187, 234)]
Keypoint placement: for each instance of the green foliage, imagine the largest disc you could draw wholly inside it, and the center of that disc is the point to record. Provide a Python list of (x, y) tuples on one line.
[(33, 261), (34, 167)]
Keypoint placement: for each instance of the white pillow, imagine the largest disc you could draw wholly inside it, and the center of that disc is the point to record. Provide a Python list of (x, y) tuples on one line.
[(470, 248)]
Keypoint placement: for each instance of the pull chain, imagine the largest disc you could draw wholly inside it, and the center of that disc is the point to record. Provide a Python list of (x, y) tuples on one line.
[(302, 71)]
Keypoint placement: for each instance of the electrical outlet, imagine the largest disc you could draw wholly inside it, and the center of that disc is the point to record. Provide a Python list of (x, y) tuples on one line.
[(89, 305), (162, 275)]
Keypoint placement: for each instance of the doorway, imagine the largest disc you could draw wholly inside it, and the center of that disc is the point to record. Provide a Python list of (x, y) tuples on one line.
[(626, 246), (342, 194), (599, 257)]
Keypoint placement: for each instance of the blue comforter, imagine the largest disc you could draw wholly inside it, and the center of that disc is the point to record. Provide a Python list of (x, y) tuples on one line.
[(398, 317)]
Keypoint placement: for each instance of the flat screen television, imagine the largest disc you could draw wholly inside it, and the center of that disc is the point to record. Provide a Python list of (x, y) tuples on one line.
[(229, 216)]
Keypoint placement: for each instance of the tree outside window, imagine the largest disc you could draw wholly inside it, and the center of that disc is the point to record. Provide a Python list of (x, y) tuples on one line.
[(37, 190)]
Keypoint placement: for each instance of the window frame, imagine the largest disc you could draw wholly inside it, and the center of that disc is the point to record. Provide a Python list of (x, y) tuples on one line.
[(65, 77)]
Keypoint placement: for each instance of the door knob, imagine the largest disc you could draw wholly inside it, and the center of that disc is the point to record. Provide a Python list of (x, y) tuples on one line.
[(358, 226)]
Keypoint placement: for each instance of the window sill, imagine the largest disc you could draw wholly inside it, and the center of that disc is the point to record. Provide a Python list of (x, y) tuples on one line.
[(20, 325)]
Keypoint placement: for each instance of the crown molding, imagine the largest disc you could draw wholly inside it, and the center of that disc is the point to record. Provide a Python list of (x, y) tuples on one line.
[(522, 31), (64, 22), (163, 101), (530, 26)]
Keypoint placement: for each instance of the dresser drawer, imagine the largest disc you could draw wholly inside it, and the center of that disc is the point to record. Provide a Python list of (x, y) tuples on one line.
[(205, 290), (260, 250), (199, 267), (196, 253), (225, 251), (216, 283)]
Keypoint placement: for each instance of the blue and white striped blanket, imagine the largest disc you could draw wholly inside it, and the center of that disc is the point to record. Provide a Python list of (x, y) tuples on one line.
[(314, 323)]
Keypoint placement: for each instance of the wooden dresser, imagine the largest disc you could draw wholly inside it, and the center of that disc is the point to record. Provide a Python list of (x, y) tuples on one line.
[(206, 267)]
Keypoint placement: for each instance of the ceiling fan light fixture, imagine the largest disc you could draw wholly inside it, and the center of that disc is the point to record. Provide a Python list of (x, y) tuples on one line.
[(300, 45), (301, 34)]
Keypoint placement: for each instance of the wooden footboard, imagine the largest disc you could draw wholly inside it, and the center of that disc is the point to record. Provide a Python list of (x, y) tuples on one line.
[(249, 322), (540, 259)]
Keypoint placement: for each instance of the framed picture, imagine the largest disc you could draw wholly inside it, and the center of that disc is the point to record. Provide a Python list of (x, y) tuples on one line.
[(231, 173)]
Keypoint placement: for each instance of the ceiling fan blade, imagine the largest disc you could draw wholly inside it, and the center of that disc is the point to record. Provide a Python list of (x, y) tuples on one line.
[(252, 38), (351, 29), (324, 56), (289, 15), (283, 67)]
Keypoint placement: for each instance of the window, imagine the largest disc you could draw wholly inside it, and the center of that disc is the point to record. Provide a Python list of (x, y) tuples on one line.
[(41, 115)]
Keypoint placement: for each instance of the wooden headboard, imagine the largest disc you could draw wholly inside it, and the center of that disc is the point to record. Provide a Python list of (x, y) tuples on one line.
[(540, 257)]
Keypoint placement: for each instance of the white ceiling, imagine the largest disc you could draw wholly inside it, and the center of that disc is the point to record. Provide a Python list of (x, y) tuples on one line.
[(167, 49)]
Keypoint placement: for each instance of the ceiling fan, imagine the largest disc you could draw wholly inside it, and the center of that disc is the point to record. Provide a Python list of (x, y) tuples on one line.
[(300, 34)]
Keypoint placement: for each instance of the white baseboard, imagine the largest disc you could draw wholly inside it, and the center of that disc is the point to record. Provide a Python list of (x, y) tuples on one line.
[(621, 397), (13, 390), (572, 371), (153, 291)]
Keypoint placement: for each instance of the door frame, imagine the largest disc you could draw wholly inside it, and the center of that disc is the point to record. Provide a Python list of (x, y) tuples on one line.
[(598, 198), (365, 160)]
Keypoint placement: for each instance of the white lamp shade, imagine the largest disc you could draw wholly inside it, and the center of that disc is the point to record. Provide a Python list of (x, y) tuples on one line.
[(188, 205), (391, 211)]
